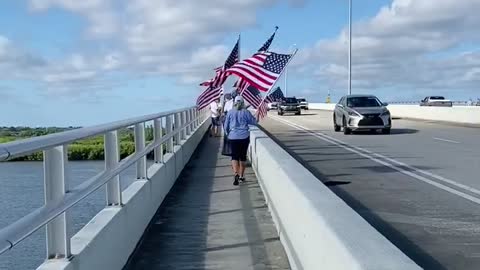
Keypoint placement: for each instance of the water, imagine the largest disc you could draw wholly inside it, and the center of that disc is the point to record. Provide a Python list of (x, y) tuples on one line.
[(21, 191)]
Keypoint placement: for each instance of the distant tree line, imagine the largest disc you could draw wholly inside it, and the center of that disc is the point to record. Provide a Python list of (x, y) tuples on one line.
[(87, 149)]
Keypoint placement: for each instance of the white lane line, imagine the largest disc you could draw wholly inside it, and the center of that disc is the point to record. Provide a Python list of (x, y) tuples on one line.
[(371, 155), (444, 140)]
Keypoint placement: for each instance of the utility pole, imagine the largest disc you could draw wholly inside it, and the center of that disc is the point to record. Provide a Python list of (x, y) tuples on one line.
[(350, 48)]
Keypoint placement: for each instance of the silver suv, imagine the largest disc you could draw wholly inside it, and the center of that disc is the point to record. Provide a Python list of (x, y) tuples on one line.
[(361, 112)]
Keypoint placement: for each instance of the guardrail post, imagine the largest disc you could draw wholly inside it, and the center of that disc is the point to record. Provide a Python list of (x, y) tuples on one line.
[(139, 146), (192, 119), (157, 136), (195, 116), (55, 181), (176, 128), (169, 127), (189, 125), (184, 122), (112, 157)]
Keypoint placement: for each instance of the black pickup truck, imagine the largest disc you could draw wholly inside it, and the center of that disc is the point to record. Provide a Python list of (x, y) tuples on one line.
[(289, 105)]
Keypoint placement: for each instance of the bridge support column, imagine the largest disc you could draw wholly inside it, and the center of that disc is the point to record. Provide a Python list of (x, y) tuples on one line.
[(112, 157), (55, 180), (139, 137), (157, 135), (169, 127)]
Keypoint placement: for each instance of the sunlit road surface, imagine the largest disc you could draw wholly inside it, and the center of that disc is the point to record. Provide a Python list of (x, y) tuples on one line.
[(419, 186)]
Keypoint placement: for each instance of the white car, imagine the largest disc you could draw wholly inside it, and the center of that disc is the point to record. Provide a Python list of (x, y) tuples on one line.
[(272, 106), (303, 103), (436, 101)]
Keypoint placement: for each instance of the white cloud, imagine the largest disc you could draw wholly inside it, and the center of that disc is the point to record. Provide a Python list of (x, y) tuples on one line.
[(100, 13), (400, 48), (16, 62), (178, 38)]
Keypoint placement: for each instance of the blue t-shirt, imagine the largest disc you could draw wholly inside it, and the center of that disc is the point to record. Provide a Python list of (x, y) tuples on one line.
[(236, 124)]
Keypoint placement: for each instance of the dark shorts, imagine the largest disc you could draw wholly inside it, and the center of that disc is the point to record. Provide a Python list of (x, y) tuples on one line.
[(239, 149), (216, 121)]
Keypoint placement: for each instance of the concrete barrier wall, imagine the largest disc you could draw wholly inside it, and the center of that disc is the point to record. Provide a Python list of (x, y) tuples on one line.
[(108, 240), (317, 229), (460, 114)]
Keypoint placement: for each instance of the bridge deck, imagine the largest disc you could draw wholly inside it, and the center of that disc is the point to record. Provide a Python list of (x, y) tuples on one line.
[(207, 223)]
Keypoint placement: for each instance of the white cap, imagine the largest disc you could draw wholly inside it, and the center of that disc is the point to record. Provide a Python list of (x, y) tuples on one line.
[(238, 99)]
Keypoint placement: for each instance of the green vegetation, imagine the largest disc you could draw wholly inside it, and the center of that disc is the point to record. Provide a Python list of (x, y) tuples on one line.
[(87, 149)]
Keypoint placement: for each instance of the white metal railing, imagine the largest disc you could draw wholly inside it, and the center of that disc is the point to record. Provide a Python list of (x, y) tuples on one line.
[(59, 197)]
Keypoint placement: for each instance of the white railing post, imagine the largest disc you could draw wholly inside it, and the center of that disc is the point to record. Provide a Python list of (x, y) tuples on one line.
[(192, 119), (169, 129), (178, 124), (189, 125), (195, 114), (139, 146), (157, 136), (55, 180), (184, 121), (112, 157)]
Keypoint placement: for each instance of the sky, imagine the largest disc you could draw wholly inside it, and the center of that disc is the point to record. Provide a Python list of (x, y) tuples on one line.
[(78, 63)]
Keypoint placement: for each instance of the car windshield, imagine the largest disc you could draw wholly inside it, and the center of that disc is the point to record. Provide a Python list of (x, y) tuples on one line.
[(363, 102), (290, 100), (301, 100), (437, 98)]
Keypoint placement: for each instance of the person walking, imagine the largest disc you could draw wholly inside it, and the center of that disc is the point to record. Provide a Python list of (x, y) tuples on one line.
[(215, 115), (228, 104), (238, 133)]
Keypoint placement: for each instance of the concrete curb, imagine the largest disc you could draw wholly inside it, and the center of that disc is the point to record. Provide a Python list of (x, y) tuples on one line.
[(318, 229)]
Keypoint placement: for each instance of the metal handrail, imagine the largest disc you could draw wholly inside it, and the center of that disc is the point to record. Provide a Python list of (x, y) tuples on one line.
[(26, 226), (27, 146)]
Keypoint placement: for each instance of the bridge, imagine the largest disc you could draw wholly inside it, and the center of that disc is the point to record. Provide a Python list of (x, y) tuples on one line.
[(313, 199)]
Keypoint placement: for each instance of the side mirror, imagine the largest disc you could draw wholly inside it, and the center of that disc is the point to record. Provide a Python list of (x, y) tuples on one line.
[(385, 104), (340, 105)]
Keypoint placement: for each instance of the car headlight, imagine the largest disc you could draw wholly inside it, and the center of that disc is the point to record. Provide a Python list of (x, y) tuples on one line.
[(352, 113), (386, 113)]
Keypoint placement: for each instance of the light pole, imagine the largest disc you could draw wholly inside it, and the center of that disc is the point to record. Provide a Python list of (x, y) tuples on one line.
[(286, 70), (350, 47)]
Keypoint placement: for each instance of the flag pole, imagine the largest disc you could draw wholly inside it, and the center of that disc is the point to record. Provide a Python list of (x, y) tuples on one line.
[(279, 75)]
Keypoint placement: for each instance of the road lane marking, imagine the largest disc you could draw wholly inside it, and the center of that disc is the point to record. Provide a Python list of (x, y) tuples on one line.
[(376, 158), (445, 140)]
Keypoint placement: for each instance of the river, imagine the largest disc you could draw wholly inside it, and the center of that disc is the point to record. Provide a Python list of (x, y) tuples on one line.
[(21, 191)]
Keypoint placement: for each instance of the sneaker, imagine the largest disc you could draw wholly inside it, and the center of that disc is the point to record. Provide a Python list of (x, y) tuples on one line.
[(235, 182)]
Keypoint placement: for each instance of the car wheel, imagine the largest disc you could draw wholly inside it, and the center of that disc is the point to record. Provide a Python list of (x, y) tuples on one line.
[(386, 131), (298, 113), (346, 130), (335, 126)]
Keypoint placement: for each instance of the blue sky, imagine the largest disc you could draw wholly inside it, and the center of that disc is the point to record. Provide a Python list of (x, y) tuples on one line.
[(67, 62)]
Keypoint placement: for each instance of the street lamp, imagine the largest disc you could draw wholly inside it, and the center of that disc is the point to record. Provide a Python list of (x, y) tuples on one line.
[(350, 47), (286, 70)]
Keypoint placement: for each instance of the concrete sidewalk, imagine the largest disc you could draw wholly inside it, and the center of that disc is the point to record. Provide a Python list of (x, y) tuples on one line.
[(207, 223)]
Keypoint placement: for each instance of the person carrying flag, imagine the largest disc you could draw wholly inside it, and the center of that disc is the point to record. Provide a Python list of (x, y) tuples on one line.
[(238, 134)]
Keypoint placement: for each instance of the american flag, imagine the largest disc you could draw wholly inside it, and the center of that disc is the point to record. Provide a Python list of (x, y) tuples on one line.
[(261, 70), (221, 75), (275, 95), (253, 96), (241, 84), (267, 44), (208, 96), (209, 82)]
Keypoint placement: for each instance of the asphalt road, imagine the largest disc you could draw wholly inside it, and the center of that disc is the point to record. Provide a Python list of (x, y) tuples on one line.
[(419, 186)]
